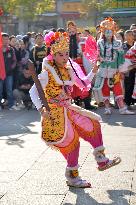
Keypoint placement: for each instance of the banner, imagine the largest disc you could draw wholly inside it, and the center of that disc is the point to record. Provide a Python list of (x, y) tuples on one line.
[(2, 64)]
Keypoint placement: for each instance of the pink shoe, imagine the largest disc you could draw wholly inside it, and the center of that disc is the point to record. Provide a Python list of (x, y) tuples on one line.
[(109, 164)]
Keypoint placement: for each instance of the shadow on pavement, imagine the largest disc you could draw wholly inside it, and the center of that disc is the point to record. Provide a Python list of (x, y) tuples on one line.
[(122, 120), (117, 197), (15, 141), (82, 198), (115, 119), (18, 123)]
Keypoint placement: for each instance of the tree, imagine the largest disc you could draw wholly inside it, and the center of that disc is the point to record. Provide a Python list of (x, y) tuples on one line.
[(27, 8), (99, 5), (94, 9)]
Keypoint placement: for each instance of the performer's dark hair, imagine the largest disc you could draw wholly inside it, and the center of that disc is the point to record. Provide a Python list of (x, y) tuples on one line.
[(121, 33), (96, 38), (104, 39), (61, 30), (49, 48), (48, 51), (76, 72), (98, 26), (112, 51), (53, 29)]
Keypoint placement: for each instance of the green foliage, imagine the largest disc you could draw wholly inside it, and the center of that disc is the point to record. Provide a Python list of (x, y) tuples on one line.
[(99, 5), (27, 8)]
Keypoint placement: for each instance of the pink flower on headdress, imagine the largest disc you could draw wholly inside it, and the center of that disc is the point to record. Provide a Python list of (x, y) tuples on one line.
[(57, 35), (50, 57), (48, 37)]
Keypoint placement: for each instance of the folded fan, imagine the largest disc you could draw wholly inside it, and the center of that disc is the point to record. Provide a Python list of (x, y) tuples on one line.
[(91, 49)]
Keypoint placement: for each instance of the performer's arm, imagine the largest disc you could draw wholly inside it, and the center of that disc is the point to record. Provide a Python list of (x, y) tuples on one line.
[(91, 75), (126, 66), (43, 77), (131, 67), (81, 76)]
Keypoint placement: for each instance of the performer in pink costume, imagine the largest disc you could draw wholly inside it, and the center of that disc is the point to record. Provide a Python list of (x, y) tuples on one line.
[(66, 123)]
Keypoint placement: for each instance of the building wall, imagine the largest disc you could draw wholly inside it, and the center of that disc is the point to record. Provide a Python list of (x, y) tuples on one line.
[(42, 23), (73, 6), (123, 3), (76, 11), (123, 12)]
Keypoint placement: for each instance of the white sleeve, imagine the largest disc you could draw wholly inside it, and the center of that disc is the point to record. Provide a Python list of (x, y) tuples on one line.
[(90, 76), (124, 67), (43, 77), (87, 64)]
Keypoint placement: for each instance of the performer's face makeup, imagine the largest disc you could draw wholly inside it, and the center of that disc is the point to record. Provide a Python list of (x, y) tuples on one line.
[(61, 58), (108, 34)]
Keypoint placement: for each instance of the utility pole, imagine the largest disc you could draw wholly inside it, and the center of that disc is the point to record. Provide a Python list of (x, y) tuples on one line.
[(59, 4), (22, 24)]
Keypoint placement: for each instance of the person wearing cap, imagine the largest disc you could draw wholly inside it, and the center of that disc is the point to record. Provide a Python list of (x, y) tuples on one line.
[(66, 123)]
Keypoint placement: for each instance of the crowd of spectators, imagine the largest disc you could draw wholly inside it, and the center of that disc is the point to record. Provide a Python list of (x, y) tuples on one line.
[(14, 89)]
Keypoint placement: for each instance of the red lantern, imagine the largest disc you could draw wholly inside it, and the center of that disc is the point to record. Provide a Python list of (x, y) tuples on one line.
[(1, 11)]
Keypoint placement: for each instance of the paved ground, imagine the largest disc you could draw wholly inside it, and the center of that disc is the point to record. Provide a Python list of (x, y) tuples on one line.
[(33, 174)]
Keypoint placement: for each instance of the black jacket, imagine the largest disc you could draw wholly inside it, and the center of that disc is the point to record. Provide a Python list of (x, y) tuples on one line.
[(10, 60)]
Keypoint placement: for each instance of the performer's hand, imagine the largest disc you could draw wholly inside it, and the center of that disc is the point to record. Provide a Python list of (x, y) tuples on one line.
[(122, 76), (44, 113), (134, 66), (95, 69), (131, 67)]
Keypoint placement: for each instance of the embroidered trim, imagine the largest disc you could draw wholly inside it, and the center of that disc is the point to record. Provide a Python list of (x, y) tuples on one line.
[(119, 96), (101, 85), (106, 98), (73, 168), (97, 149), (84, 133), (65, 132), (69, 148), (58, 80)]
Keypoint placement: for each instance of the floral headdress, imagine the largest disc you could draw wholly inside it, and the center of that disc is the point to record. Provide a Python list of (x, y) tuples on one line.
[(108, 24), (57, 41)]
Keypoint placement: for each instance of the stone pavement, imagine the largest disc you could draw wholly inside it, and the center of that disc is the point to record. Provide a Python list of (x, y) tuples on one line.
[(33, 174)]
